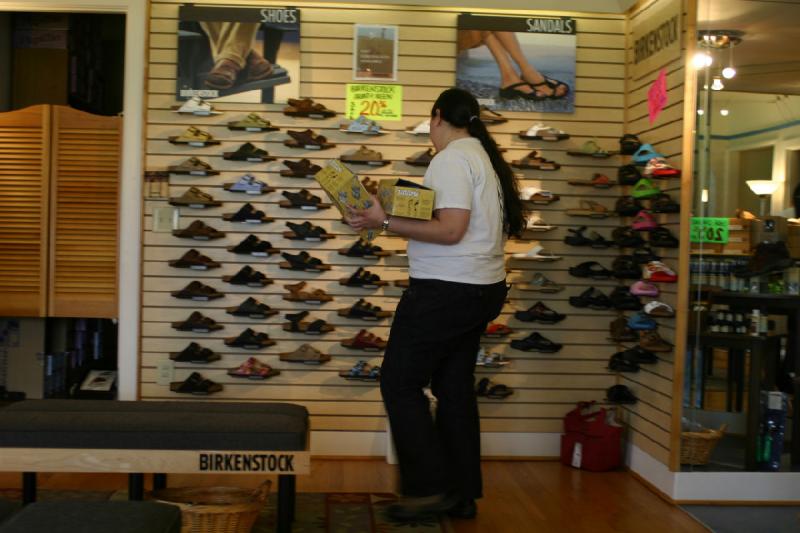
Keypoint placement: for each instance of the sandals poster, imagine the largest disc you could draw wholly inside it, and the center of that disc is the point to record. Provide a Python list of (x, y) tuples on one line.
[(518, 63), (248, 55)]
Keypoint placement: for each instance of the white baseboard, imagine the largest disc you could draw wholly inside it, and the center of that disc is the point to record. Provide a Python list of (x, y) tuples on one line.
[(374, 444), (655, 472), (737, 486)]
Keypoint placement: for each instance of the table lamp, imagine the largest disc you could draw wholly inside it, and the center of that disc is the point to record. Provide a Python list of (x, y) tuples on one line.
[(763, 189)]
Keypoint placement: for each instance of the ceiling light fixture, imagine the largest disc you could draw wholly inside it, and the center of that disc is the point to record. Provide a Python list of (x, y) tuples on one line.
[(717, 85), (724, 112), (701, 112), (702, 60), (713, 42)]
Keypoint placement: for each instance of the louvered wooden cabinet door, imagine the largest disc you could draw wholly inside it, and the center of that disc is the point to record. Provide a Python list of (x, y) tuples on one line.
[(84, 209), (24, 171)]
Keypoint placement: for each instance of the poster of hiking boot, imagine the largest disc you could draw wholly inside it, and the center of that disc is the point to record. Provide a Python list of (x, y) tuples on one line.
[(518, 63), (249, 55)]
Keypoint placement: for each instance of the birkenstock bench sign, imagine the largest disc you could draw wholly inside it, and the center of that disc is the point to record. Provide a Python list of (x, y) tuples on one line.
[(159, 438)]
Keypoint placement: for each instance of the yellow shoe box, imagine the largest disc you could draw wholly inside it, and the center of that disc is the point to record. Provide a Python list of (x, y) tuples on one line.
[(344, 189), (404, 198)]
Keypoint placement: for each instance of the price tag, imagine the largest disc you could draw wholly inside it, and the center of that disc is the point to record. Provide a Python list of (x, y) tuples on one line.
[(376, 102), (709, 230)]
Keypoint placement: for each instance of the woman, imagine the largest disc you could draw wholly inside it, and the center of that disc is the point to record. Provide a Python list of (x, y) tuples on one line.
[(457, 285)]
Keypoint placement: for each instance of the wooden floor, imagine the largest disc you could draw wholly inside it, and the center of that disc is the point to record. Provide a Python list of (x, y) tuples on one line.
[(519, 496)]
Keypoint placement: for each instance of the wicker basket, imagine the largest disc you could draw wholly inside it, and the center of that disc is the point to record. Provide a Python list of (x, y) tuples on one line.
[(216, 509), (696, 446)]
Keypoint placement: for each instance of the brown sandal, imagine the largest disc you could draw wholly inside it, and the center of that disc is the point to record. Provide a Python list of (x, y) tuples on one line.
[(297, 294)]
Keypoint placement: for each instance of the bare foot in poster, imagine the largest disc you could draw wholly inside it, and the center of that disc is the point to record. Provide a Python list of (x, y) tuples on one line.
[(529, 83)]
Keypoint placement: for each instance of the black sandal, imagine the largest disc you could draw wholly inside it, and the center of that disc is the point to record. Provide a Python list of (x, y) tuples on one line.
[(577, 238), (511, 92), (590, 269)]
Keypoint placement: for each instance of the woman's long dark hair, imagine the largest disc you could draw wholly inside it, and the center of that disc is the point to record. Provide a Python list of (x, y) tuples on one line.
[(461, 110)]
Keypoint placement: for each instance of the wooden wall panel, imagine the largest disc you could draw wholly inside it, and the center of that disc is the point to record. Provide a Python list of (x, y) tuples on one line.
[(24, 194), (651, 420), (546, 386), (84, 212)]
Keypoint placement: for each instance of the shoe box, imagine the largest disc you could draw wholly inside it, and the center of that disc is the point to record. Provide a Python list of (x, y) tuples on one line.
[(403, 198)]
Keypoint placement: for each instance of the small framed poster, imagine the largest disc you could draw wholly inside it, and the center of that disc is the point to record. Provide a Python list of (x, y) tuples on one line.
[(374, 52)]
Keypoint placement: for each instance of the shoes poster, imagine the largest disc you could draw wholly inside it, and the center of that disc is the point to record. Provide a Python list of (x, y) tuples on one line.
[(374, 52), (518, 63), (248, 55)]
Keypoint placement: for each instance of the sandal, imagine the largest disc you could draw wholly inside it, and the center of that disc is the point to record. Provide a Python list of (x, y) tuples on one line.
[(252, 308), (366, 341), (199, 231), (195, 384), (250, 340), (296, 324), (591, 298), (303, 200), (364, 311), (489, 117), (195, 198), (539, 312), (305, 107), (196, 106), (620, 363), (620, 332), (193, 137), (590, 269), (302, 261), (363, 279), (249, 152), (305, 232), (305, 354), (644, 221), (253, 369), (364, 156), (658, 272), (423, 128), (645, 188), (421, 159), (625, 237), (495, 391), (254, 246), (195, 354), (197, 323), (643, 288), (591, 149), (308, 140), (540, 283), (300, 169), (628, 175), (193, 167), (625, 267), (537, 196), (536, 223), (511, 92), (198, 292), (252, 122), (248, 184), (629, 144), (362, 125), (659, 168), (536, 342), (664, 204), (248, 214), (362, 248), (659, 309), (537, 253), (577, 238), (194, 260), (645, 153), (363, 372), (541, 132), (598, 181), (248, 276), (297, 294), (535, 161), (497, 330), (627, 206), (554, 85), (589, 208), (662, 237), (622, 300)]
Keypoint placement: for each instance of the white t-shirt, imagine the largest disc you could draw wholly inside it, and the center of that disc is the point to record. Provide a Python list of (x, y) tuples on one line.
[(463, 177)]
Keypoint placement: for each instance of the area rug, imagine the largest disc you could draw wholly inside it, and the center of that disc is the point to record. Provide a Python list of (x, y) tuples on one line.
[(315, 512), (746, 518)]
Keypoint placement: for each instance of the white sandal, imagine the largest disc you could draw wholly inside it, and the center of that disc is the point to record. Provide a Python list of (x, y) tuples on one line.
[(537, 253)]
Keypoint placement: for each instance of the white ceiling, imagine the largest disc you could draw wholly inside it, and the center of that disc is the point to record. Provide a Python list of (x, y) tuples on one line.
[(768, 59)]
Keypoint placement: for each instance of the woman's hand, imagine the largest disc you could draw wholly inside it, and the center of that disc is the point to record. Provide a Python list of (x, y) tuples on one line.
[(369, 218)]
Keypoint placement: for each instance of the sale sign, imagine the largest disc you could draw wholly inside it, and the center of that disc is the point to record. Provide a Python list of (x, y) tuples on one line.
[(713, 230), (376, 102)]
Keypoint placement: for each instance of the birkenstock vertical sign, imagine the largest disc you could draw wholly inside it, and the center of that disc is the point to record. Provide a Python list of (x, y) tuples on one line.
[(655, 37)]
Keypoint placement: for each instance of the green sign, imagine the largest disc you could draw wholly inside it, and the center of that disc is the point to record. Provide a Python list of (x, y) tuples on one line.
[(709, 230), (376, 102)]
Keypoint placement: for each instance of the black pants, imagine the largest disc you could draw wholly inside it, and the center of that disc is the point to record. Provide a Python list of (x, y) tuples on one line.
[(434, 339)]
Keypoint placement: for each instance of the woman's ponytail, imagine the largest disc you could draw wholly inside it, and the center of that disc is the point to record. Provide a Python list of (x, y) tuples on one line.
[(461, 110)]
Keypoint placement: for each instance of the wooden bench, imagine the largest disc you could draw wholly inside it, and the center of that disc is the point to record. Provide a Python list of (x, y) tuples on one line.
[(160, 438)]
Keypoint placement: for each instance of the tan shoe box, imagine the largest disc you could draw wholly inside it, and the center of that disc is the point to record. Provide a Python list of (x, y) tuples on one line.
[(404, 198), (344, 189)]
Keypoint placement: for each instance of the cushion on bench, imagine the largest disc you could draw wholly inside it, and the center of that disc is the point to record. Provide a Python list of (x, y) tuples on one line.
[(154, 425), (95, 517)]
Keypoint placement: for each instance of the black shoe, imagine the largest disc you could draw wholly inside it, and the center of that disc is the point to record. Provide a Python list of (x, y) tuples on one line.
[(622, 299), (625, 237), (539, 312), (415, 509), (768, 257), (577, 238), (535, 342), (628, 175), (625, 267), (591, 269), (662, 237), (591, 298), (465, 510), (620, 394)]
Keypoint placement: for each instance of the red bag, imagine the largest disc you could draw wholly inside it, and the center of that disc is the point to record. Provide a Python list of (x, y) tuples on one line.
[(599, 444)]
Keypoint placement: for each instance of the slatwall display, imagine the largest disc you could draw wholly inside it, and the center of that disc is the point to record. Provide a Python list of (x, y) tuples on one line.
[(650, 420), (546, 385)]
